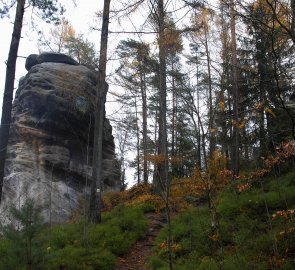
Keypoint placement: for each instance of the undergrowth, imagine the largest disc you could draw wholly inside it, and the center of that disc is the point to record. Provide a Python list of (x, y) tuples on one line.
[(77, 245), (246, 223), (256, 230)]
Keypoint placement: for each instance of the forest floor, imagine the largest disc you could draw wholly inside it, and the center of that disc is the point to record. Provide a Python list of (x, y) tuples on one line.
[(139, 254)]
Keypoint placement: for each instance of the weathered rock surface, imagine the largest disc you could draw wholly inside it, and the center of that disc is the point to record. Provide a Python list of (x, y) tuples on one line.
[(51, 138)]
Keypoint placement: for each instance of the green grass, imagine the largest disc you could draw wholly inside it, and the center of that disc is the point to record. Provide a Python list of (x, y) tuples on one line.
[(248, 236), (76, 246)]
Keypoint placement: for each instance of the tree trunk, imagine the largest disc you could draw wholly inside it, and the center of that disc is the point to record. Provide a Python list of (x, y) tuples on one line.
[(199, 156), (137, 142), (235, 151), (225, 89), (163, 165), (174, 164), (144, 126), (163, 150), (210, 125), (293, 19), (156, 150), (102, 89), (9, 87)]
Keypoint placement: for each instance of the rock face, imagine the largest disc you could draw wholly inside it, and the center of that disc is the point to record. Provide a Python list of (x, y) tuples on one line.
[(51, 138)]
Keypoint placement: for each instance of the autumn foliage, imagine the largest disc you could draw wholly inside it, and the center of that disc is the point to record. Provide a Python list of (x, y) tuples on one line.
[(283, 153), (201, 186)]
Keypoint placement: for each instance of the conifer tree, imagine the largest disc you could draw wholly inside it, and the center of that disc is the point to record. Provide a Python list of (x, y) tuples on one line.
[(236, 144), (134, 70), (102, 89)]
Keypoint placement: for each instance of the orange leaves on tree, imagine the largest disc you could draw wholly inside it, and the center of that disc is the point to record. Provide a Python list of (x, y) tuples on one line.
[(287, 214), (269, 111), (176, 159), (213, 130), (244, 187), (260, 173), (283, 153), (172, 40), (258, 106), (221, 105), (138, 194), (287, 217), (156, 159), (199, 184), (242, 124), (153, 200), (282, 15)]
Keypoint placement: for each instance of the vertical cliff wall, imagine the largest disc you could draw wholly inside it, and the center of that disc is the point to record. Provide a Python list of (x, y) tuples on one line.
[(51, 138)]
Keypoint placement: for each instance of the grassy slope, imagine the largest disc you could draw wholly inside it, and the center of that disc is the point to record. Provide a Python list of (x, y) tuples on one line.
[(74, 246), (248, 236)]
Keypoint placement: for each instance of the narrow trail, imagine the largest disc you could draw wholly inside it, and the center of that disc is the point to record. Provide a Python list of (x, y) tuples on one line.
[(142, 250)]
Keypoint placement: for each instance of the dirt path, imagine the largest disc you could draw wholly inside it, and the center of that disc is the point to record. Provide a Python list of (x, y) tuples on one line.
[(142, 250)]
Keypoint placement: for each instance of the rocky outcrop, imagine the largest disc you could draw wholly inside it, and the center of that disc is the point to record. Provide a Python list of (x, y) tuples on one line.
[(51, 138)]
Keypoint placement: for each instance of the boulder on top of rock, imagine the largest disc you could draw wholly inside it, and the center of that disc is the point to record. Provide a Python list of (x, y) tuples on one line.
[(35, 59), (31, 61)]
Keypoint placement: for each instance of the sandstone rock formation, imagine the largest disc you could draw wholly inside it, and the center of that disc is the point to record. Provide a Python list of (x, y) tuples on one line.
[(51, 138)]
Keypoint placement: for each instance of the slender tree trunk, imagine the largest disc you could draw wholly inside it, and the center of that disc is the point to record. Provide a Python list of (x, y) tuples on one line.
[(173, 129), (144, 127), (225, 83), (102, 89), (196, 111), (9, 87), (229, 113), (262, 101), (137, 142), (210, 126), (163, 149), (156, 151), (122, 145), (199, 156), (293, 19), (235, 151), (261, 53), (163, 166)]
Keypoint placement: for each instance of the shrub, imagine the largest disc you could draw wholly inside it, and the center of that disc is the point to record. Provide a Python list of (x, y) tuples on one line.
[(78, 245)]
